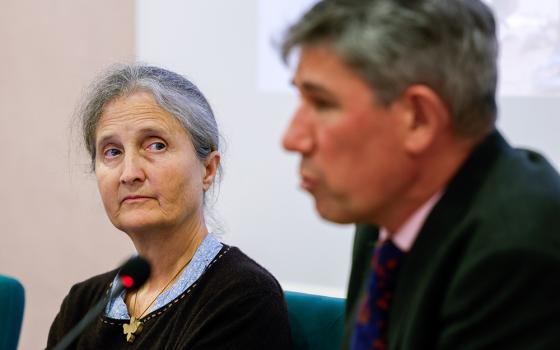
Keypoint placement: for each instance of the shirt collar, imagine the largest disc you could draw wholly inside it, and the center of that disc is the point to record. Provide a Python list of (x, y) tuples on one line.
[(407, 233)]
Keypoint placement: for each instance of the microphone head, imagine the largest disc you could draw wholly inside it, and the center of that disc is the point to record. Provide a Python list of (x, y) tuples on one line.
[(135, 272)]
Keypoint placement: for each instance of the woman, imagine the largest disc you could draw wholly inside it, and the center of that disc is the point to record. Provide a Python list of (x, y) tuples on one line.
[(153, 143)]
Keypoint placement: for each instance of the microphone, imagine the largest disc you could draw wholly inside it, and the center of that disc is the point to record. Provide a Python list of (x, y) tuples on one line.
[(132, 275)]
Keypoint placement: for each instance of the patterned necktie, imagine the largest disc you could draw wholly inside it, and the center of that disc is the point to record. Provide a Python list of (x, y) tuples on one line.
[(370, 331)]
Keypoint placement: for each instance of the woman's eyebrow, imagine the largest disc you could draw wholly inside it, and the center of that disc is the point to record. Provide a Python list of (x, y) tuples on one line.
[(153, 130), (147, 130), (104, 139)]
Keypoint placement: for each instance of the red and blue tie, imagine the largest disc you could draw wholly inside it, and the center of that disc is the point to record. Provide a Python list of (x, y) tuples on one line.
[(370, 331)]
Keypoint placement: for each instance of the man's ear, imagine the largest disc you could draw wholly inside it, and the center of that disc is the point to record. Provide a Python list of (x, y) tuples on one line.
[(425, 117), (211, 165)]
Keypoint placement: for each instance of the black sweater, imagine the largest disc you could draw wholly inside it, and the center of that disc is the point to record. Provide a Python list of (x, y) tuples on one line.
[(235, 304)]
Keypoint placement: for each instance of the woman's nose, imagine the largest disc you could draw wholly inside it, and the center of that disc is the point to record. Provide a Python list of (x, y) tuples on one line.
[(132, 170)]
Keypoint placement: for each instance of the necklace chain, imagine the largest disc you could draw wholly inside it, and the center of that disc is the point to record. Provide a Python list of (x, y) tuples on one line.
[(160, 292)]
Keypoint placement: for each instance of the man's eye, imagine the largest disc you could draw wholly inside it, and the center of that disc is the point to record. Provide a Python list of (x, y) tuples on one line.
[(156, 146), (322, 104), (112, 153)]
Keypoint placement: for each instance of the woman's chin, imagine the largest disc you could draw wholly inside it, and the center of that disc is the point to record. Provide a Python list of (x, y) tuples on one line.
[(142, 224)]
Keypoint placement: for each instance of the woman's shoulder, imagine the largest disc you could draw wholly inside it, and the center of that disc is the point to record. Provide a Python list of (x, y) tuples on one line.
[(232, 269), (236, 303), (93, 288), (78, 302)]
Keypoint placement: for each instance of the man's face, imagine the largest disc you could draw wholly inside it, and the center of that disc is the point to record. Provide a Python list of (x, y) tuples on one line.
[(353, 160)]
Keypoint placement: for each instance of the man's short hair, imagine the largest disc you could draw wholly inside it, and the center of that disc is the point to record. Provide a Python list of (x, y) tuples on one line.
[(447, 45)]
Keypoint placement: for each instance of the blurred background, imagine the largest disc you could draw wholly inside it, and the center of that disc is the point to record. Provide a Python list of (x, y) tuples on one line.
[(54, 229)]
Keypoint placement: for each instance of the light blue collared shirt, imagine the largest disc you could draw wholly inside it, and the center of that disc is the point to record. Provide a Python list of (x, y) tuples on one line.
[(206, 252)]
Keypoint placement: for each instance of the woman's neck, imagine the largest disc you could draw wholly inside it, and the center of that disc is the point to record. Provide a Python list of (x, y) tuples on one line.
[(168, 250)]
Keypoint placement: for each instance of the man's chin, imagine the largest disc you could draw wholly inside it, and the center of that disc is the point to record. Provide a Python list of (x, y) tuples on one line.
[(335, 214)]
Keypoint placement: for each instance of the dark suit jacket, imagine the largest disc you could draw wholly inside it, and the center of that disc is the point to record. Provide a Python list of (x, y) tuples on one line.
[(484, 272)]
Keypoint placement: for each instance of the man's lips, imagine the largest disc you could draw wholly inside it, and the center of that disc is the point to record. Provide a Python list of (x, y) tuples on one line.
[(307, 182)]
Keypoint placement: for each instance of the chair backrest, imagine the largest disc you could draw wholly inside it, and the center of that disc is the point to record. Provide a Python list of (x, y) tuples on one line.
[(12, 299), (316, 321)]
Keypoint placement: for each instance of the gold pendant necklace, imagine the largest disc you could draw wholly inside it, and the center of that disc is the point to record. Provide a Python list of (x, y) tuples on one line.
[(132, 328), (135, 325)]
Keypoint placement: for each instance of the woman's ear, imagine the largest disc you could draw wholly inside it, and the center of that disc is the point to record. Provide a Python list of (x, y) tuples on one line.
[(425, 118), (211, 165)]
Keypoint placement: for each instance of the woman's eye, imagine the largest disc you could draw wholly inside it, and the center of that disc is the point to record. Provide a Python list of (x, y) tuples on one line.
[(157, 146), (111, 153)]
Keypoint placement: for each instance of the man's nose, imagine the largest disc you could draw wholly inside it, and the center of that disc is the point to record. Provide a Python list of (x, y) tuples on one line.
[(298, 137)]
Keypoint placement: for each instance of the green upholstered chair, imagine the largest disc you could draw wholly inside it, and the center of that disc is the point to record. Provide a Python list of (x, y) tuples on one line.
[(11, 310), (317, 321)]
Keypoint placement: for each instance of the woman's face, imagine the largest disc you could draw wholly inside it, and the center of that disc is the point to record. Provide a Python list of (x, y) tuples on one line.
[(147, 171)]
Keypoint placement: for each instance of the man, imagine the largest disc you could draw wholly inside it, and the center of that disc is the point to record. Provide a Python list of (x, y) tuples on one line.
[(396, 129)]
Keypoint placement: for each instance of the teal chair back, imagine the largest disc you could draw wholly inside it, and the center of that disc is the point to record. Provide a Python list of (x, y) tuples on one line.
[(12, 301), (316, 321)]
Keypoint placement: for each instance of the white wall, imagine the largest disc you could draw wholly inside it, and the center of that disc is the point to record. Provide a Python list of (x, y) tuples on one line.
[(216, 44)]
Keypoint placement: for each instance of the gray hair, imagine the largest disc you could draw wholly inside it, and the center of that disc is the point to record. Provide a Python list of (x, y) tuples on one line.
[(448, 45), (172, 92)]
